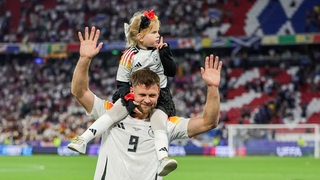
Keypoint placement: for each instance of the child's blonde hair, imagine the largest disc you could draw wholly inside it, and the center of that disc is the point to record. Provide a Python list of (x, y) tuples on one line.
[(134, 28)]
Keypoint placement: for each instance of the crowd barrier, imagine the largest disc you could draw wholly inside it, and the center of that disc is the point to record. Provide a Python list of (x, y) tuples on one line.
[(218, 151)]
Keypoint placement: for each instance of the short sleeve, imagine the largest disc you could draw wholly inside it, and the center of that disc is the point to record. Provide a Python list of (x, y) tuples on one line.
[(178, 128), (99, 107)]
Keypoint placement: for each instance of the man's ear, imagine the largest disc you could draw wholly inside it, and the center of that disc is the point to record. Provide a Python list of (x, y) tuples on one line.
[(131, 89)]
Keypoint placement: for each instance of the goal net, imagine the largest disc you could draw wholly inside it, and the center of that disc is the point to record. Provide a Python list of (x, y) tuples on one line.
[(273, 139)]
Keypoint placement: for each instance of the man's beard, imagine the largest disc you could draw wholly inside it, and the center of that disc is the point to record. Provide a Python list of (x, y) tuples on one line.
[(145, 111)]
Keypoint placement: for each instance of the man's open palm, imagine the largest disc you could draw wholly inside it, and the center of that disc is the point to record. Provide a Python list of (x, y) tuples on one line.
[(211, 72), (88, 43)]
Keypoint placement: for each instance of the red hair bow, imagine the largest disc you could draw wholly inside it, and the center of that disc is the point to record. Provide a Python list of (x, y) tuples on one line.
[(149, 14)]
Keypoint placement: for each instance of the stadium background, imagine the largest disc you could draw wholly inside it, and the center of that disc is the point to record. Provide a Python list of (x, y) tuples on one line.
[(270, 51)]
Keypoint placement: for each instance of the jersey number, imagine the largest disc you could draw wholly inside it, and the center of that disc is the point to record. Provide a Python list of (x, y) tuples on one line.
[(134, 140)]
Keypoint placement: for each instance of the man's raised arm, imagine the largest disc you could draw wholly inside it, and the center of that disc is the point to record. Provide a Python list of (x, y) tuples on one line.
[(210, 118), (80, 79)]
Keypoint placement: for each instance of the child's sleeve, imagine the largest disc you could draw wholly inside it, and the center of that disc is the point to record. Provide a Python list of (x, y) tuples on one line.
[(123, 75), (168, 62), (124, 69)]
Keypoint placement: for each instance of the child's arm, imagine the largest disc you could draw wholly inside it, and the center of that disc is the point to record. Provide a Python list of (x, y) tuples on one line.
[(123, 88), (123, 75), (168, 62)]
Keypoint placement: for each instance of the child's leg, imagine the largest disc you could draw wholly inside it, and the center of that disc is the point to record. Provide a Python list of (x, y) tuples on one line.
[(103, 123), (117, 113), (159, 126)]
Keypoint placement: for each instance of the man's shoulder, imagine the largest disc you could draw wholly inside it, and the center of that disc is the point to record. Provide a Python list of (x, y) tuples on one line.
[(178, 127), (177, 121), (107, 104)]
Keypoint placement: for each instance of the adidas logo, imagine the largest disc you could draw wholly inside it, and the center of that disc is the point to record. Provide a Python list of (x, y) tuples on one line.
[(94, 131), (138, 65), (163, 149)]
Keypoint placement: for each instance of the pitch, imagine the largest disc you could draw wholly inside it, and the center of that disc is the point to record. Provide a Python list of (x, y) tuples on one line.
[(39, 167)]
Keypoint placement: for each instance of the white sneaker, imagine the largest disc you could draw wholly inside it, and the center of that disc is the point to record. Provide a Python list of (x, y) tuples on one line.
[(78, 144), (167, 165)]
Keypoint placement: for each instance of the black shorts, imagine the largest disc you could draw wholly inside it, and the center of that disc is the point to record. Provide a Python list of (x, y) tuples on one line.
[(165, 102)]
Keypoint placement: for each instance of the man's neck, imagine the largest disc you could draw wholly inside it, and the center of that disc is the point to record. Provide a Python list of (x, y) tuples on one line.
[(141, 116)]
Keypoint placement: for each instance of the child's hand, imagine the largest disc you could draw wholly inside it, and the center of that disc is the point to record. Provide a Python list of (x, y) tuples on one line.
[(161, 44)]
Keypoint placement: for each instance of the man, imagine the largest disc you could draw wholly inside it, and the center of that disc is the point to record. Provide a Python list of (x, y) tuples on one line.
[(127, 150)]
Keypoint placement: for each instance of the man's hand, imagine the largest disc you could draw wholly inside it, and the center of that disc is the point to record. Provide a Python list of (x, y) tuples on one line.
[(136, 110), (88, 43), (211, 72)]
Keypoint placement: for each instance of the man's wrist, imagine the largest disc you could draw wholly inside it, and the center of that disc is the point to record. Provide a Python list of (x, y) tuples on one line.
[(85, 58), (213, 86)]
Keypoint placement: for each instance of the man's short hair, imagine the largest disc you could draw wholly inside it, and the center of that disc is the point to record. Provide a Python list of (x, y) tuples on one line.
[(145, 77)]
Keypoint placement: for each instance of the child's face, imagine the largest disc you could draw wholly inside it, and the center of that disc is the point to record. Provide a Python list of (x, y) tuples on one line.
[(150, 39)]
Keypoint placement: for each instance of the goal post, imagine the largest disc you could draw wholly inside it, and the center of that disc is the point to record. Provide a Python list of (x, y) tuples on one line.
[(273, 139)]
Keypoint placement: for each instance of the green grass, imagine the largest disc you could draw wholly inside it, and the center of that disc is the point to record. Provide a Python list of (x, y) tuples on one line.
[(39, 167), (47, 167), (248, 168)]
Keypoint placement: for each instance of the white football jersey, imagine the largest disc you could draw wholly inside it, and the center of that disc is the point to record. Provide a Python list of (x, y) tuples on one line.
[(127, 150), (134, 59)]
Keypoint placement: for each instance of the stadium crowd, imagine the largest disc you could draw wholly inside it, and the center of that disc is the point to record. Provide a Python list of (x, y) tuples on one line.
[(38, 107), (57, 20)]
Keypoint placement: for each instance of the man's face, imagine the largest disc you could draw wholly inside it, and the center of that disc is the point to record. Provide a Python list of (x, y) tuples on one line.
[(146, 97)]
